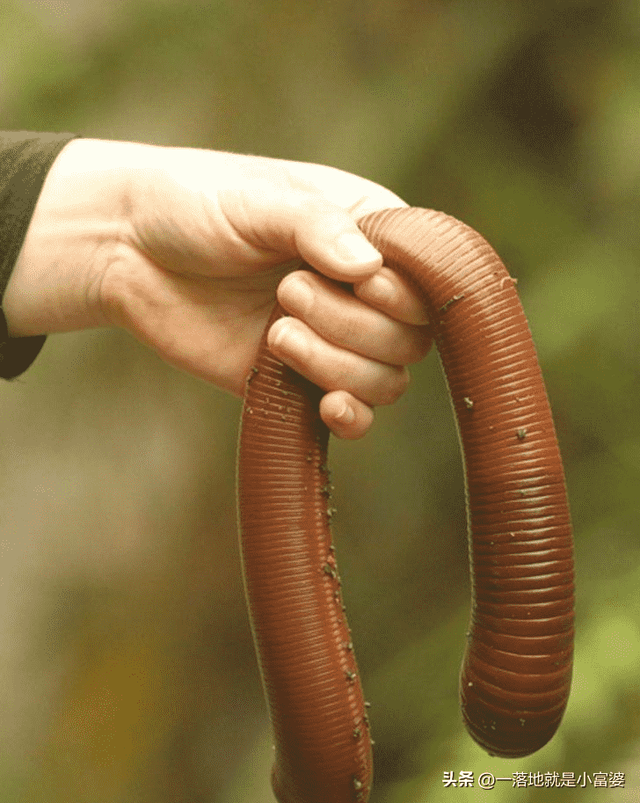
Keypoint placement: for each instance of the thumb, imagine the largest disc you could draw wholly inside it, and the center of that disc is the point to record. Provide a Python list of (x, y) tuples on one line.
[(282, 223), (328, 239)]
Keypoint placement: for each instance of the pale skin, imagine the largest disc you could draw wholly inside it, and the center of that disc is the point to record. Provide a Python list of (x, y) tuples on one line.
[(187, 249)]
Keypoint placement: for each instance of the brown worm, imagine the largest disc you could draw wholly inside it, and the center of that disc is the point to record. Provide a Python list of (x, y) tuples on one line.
[(517, 665)]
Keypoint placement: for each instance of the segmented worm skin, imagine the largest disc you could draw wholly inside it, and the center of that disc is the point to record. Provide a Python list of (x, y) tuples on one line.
[(516, 671)]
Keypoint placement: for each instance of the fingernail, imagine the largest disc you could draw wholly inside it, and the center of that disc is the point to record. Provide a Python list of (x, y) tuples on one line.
[(378, 288), (345, 415), (289, 339), (300, 295), (356, 248)]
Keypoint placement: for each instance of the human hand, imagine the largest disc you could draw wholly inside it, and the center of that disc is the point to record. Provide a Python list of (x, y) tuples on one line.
[(187, 248)]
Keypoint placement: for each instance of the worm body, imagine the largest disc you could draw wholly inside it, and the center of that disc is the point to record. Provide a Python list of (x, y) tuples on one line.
[(517, 665)]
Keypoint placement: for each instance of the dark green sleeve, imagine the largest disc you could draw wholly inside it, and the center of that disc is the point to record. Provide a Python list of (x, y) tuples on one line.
[(25, 159)]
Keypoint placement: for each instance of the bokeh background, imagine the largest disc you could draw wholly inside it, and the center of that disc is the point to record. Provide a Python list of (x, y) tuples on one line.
[(127, 672)]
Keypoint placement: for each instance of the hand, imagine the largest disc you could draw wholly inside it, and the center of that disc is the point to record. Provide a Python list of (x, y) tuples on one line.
[(186, 249)]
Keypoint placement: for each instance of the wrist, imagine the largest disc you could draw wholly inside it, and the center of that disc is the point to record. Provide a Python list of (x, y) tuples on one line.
[(78, 223)]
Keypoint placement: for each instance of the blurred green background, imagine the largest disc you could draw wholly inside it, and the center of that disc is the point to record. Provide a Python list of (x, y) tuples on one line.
[(127, 672)]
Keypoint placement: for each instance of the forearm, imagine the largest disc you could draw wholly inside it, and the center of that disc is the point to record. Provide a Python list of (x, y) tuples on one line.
[(77, 225)]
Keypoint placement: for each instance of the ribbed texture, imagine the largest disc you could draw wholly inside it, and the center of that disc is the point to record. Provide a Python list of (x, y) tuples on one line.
[(516, 671), (323, 748)]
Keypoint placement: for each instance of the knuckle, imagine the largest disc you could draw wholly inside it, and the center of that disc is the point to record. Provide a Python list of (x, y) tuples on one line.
[(420, 344), (395, 386), (413, 346), (339, 376)]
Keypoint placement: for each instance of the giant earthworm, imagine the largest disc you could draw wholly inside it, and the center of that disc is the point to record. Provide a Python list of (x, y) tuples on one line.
[(516, 670)]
